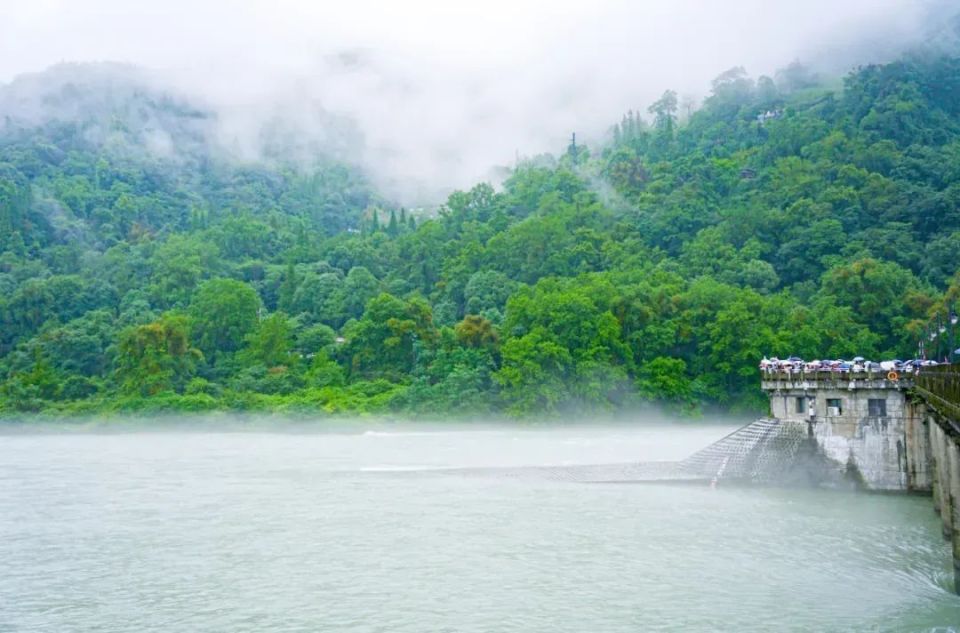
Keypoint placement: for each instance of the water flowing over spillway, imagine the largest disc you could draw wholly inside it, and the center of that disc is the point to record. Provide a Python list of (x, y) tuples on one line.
[(766, 451)]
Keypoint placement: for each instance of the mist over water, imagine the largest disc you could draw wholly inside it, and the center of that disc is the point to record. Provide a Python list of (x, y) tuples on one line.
[(252, 531)]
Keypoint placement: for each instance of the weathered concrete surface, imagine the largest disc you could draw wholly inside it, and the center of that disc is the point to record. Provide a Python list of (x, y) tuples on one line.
[(918, 451), (862, 420), (875, 447), (937, 395), (953, 463), (935, 487), (943, 458)]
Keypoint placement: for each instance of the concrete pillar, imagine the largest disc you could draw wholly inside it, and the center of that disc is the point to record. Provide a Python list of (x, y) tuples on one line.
[(947, 493), (935, 463), (917, 448), (953, 450)]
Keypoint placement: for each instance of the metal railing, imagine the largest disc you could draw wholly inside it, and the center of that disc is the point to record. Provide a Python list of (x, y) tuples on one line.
[(894, 378), (940, 387)]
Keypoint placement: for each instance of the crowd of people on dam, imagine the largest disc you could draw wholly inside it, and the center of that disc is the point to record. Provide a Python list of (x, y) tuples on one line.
[(796, 365)]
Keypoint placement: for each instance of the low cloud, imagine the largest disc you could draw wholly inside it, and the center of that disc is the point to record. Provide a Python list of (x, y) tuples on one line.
[(437, 93)]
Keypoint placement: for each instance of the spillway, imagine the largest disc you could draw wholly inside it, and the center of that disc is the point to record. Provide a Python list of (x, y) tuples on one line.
[(766, 451)]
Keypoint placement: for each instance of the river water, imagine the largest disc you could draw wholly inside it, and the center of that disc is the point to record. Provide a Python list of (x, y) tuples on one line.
[(297, 531)]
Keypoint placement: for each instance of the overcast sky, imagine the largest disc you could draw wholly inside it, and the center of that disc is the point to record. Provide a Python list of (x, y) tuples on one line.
[(441, 89)]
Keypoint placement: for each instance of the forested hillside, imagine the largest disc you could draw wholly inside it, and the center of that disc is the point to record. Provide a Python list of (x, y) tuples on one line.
[(143, 270)]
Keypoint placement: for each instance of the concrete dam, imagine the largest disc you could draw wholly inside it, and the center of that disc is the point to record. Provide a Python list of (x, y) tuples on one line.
[(871, 431), (882, 431)]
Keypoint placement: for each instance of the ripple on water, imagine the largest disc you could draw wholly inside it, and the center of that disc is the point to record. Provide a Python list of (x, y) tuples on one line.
[(239, 532)]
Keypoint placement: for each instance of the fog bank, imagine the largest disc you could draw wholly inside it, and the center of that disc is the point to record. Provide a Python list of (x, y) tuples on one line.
[(441, 92)]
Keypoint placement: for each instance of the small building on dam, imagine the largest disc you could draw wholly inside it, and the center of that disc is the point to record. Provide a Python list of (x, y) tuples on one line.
[(861, 420)]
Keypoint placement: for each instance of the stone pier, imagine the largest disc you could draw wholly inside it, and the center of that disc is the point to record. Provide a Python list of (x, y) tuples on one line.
[(946, 488), (936, 397)]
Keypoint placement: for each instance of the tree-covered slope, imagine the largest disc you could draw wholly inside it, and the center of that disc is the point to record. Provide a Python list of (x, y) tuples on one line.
[(142, 269)]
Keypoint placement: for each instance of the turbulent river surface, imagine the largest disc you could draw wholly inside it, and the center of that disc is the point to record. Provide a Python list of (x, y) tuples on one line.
[(361, 531)]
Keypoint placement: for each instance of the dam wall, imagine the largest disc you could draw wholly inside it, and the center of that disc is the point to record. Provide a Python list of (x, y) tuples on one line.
[(867, 422), (945, 485), (894, 434), (937, 395)]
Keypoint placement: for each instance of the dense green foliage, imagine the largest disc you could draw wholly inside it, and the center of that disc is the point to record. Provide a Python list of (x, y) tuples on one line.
[(781, 218)]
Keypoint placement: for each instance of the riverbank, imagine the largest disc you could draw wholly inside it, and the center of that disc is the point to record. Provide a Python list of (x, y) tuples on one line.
[(378, 400)]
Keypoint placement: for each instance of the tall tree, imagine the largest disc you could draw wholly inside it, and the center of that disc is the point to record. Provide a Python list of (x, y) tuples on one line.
[(156, 357), (664, 111), (223, 312)]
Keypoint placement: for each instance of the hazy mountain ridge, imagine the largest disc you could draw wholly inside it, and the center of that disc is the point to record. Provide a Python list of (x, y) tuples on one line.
[(125, 131), (118, 108), (784, 217)]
